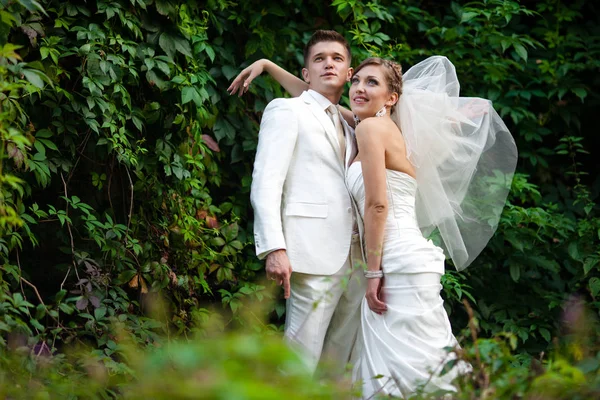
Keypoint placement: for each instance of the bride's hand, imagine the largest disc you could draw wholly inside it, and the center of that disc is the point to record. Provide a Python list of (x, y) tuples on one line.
[(241, 83), (374, 295)]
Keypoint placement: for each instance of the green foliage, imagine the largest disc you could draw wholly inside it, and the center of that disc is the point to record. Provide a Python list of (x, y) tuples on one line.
[(125, 170), (261, 367)]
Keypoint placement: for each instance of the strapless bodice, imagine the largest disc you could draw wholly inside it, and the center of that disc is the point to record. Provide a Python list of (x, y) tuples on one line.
[(404, 247), (401, 192)]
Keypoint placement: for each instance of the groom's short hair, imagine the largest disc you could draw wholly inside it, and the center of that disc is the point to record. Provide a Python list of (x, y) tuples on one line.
[(322, 35)]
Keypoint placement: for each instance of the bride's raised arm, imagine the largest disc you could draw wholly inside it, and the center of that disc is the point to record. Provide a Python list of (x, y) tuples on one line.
[(292, 84)]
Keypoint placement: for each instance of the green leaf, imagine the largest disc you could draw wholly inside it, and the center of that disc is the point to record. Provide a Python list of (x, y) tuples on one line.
[(60, 295), (99, 313), (223, 129), (211, 53), (190, 93), (217, 241), (594, 285), (40, 311), (166, 43), (66, 308), (467, 16), (574, 251), (236, 244), (546, 334), (34, 78), (174, 43), (229, 72), (49, 144), (521, 51), (230, 231), (126, 276), (515, 272), (35, 323), (580, 92), (590, 263)]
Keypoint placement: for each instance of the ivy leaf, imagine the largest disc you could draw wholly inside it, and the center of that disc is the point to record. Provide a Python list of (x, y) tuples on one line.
[(32, 5), (165, 7), (580, 92), (521, 51), (174, 43), (99, 313), (190, 93), (574, 251), (515, 272), (211, 53), (166, 43), (154, 79), (217, 241), (229, 72), (60, 295), (223, 129), (589, 263), (34, 78), (230, 232), (594, 285), (40, 311), (125, 276), (35, 323), (467, 16), (545, 334)]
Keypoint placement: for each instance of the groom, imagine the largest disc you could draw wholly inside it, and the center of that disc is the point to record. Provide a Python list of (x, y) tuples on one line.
[(304, 219)]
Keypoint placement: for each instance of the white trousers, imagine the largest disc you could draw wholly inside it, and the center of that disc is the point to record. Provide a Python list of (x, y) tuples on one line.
[(323, 313)]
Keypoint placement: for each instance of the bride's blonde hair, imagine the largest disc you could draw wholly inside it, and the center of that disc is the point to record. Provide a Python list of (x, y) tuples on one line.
[(391, 70)]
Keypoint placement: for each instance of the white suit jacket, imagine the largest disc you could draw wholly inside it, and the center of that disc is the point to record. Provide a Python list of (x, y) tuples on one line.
[(299, 194)]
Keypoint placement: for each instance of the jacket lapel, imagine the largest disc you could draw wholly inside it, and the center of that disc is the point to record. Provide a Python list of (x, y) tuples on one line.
[(323, 119)]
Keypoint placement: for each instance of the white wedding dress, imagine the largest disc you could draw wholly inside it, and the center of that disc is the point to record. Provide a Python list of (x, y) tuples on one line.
[(405, 346)]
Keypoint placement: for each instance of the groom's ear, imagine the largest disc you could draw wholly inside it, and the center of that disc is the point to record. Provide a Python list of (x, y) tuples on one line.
[(350, 73), (305, 75)]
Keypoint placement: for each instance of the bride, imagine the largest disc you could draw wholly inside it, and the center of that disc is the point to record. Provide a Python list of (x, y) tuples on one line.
[(428, 160)]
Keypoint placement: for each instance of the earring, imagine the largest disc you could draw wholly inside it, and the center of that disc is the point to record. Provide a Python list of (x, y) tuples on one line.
[(356, 120), (381, 112)]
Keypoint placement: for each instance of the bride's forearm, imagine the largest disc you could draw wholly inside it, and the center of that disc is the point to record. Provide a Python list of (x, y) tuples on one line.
[(291, 83), (375, 218)]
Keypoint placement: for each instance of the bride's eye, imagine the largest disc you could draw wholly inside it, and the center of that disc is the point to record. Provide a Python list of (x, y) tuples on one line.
[(373, 82), (354, 80)]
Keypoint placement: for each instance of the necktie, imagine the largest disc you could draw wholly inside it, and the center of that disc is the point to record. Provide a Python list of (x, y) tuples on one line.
[(333, 113)]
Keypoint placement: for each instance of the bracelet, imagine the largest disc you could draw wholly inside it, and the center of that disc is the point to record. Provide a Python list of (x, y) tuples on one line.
[(373, 274)]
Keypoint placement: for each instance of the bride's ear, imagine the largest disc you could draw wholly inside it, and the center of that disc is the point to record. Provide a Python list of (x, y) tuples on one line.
[(305, 75), (392, 100)]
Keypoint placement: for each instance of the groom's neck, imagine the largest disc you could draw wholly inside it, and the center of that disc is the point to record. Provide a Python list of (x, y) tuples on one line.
[(332, 96)]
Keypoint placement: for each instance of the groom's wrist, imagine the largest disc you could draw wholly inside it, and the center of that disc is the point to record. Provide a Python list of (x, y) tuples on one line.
[(269, 252)]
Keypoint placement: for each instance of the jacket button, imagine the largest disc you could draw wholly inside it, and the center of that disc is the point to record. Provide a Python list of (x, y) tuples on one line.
[(349, 210)]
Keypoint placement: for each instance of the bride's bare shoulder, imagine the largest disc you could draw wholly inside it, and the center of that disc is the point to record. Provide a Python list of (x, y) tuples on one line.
[(375, 126)]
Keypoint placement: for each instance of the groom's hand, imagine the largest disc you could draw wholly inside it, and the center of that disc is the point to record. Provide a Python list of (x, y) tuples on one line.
[(279, 270)]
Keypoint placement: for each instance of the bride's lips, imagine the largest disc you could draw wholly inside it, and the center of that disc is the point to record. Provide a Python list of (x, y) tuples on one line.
[(359, 100)]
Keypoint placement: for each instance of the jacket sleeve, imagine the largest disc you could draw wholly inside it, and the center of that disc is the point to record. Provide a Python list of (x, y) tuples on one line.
[(276, 144)]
